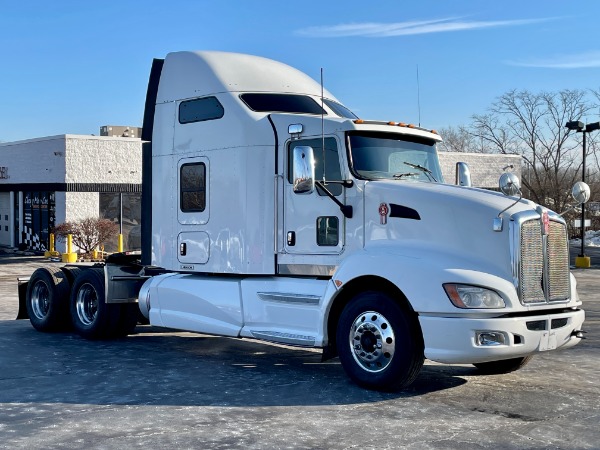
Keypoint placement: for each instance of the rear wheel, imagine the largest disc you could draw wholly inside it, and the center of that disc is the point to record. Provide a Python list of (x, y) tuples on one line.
[(379, 342), (92, 317), (47, 299), (503, 366)]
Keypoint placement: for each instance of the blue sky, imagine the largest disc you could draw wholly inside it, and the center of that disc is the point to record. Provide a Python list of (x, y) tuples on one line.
[(72, 66)]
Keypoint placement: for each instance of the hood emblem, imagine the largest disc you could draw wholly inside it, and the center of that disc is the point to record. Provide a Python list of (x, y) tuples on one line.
[(545, 222), (384, 210)]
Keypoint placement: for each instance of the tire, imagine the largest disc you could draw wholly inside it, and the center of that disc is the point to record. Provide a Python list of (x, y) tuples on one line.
[(379, 342), (502, 366), (47, 300), (92, 317), (71, 273)]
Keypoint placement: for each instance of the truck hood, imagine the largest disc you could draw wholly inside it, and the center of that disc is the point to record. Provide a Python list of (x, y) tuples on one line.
[(449, 225)]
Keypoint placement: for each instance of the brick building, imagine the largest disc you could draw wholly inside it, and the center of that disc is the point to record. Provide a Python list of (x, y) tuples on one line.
[(51, 180)]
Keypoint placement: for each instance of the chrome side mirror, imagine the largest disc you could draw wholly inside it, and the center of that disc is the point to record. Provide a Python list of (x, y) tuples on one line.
[(303, 170), (463, 174), (509, 184), (580, 192)]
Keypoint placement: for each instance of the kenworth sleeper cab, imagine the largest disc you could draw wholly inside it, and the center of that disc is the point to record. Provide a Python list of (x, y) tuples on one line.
[(271, 211)]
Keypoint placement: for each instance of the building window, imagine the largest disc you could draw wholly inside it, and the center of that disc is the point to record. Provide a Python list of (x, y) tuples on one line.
[(192, 179), (124, 209), (39, 209)]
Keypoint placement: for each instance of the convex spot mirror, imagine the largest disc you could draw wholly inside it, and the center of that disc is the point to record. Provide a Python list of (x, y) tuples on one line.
[(509, 184), (463, 174), (303, 170), (580, 192)]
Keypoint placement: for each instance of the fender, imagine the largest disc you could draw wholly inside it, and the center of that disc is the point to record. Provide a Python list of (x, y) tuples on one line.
[(419, 274)]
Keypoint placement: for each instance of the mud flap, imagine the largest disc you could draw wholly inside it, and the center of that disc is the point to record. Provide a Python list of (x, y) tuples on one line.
[(22, 297)]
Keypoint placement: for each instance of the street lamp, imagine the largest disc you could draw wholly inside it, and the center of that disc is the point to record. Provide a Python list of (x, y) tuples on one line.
[(579, 127)]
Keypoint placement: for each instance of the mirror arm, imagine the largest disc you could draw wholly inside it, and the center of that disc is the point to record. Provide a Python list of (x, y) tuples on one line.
[(345, 209), (512, 204), (345, 183)]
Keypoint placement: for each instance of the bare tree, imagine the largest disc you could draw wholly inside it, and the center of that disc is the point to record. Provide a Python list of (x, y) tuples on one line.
[(533, 125), (87, 233), (460, 139)]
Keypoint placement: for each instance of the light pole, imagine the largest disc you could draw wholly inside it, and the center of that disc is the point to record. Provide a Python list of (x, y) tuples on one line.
[(580, 127)]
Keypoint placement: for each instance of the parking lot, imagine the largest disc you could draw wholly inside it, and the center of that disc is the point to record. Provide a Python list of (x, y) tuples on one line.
[(165, 389)]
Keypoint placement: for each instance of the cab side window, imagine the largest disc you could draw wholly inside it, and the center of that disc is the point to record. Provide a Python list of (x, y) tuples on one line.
[(193, 187), (332, 162)]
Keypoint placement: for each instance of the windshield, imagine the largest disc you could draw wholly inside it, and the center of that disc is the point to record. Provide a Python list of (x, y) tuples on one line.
[(377, 156)]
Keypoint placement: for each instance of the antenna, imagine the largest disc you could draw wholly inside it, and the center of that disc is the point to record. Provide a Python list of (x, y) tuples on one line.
[(418, 95), (322, 126)]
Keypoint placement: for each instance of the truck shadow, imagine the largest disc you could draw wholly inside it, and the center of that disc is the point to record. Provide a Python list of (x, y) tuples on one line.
[(158, 367)]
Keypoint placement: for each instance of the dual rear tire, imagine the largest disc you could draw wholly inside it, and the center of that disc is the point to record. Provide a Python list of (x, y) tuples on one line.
[(56, 300)]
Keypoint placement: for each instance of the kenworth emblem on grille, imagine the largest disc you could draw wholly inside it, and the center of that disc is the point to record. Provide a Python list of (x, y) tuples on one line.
[(383, 212), (545, 222)]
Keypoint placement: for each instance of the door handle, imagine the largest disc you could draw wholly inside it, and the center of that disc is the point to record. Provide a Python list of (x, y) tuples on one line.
[(291, 238)]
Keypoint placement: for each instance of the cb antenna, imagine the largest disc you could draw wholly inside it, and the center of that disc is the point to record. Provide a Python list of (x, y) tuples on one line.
[(322, 126), (418, 96)]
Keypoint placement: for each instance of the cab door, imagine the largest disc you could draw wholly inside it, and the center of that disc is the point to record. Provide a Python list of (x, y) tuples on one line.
[(313, 224)]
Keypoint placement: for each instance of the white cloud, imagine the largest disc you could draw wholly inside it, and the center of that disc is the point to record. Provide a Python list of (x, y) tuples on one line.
[(573, 61), (409, 28)]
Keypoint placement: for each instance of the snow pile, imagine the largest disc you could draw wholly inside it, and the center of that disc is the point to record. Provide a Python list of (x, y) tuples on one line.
[(592, 239)]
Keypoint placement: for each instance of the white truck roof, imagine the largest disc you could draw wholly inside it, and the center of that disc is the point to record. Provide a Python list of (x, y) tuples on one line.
[(192, 74)]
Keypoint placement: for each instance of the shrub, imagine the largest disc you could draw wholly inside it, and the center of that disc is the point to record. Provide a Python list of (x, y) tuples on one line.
[(88, 233)]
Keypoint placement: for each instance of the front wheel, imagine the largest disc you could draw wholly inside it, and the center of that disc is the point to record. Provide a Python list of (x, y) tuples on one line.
[(379, 342), (503, 366)]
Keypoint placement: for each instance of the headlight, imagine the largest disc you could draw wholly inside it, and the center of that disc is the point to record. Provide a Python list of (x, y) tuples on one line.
[(465, 296)]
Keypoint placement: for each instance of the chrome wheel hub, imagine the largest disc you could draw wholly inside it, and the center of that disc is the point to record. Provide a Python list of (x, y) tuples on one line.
[(87, 304), (372, 341), (40, 300)]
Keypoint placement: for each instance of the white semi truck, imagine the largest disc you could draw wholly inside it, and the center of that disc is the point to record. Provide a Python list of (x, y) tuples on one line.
[(271, 211)]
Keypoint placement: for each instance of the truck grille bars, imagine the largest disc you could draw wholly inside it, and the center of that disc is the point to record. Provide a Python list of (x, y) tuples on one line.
[(541, 260)]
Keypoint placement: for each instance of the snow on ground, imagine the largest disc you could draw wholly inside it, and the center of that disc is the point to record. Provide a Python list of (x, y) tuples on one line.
[(592, 239)]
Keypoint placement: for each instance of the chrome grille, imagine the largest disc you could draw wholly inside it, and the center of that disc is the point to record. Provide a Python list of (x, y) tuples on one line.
[(532, 263), (543, 269), (558, 263)]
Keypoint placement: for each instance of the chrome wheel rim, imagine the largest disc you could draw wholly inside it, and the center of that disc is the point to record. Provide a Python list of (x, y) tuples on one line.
[(40, 300), (87, 304), (372, 341)]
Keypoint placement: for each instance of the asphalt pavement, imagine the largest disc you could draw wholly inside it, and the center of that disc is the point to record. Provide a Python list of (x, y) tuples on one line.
[(166, 389)]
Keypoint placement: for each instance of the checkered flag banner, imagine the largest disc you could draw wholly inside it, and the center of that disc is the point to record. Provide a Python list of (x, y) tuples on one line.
[(33, 240)]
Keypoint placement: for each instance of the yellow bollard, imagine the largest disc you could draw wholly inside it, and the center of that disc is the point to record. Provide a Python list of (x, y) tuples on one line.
[(583, 262), (69, 257), (120, 246), (52, 252)]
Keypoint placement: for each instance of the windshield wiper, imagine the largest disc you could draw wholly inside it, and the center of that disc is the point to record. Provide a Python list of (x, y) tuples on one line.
[(407, 174), (425, 170)]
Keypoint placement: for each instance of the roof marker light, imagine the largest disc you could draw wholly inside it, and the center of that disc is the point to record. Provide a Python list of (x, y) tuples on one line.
[(401, 124), (391, 123), (359, 121), (410, 125)]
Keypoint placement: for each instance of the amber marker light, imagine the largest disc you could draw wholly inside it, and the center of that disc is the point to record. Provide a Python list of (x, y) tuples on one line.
[(359, 121)]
